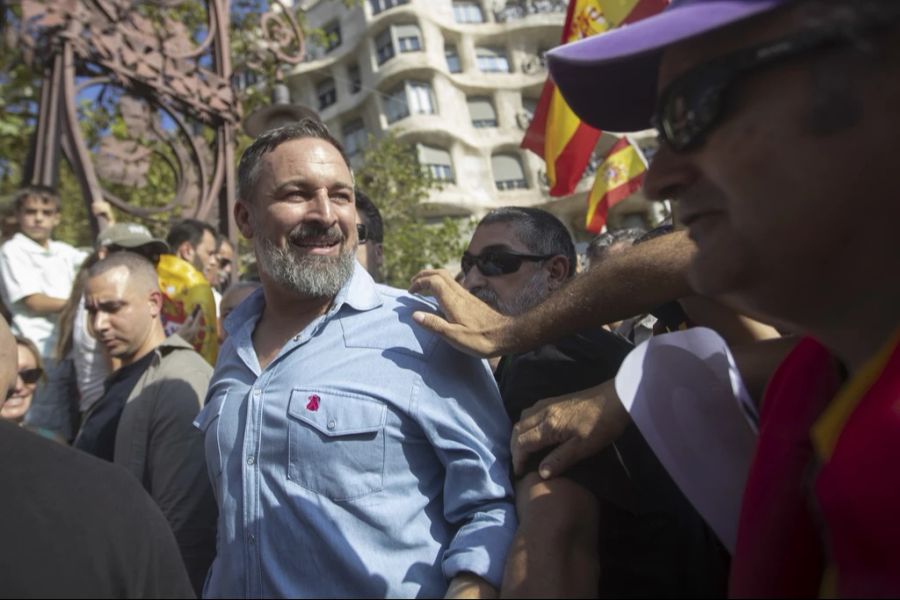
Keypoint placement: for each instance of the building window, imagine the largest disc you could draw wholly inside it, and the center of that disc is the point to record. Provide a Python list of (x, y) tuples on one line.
[(332, 36), (508, 172), (326, 93), (384, 46), (492, 60), (355, 79), (466, 11), (452, 56), (380, 5), (409, 38), (355, 136), (436, 161), (481, 109), (410, 97)]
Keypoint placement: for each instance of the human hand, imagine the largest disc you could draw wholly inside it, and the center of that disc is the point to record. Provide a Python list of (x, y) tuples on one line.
[(580, 425), (102, 211), (469, 324)]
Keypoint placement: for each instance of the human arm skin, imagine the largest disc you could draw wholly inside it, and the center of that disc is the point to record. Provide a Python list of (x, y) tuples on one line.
[(554, 553), (43, 304), (467, 585), (642, 278), (581, 424), (736, 329)]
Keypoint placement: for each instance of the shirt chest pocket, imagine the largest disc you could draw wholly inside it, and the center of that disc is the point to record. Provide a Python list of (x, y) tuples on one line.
[(336, 443)]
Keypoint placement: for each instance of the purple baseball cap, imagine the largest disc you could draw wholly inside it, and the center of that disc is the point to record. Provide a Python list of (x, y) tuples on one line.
[(609, 80)]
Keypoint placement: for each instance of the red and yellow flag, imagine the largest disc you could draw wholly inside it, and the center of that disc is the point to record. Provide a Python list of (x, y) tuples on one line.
[(555, 133), (620, 175)]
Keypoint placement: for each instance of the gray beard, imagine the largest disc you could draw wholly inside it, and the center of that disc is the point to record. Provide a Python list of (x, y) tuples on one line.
[(305, 274), (534, 292)]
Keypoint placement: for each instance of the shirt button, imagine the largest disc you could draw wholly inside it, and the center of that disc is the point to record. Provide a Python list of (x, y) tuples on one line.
[(297, 338), (251, 461), (251, 538), (256, 393), (330, 424)]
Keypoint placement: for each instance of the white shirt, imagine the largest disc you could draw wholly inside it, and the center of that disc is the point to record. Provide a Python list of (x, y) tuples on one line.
[(91, 369), (27, 268)]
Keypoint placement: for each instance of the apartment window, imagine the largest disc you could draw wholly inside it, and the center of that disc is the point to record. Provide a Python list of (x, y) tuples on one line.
[(380, 5), (409, 38), (492, 60), (326, 93), (332, 35), (355, 136), (452, 56), (436, 161), (481, 109), (355, 79), (410, 97), (384, 46), (508, 172), (467, 12)]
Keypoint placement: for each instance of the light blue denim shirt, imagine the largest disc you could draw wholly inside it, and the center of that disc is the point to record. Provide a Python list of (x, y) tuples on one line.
[(368, 459)]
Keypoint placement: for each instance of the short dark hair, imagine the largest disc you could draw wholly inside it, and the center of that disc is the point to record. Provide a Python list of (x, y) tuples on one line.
[(371, 216), (248, 169), (137, 266), (598, 247), (188, 230), (539, 230), (41, 192)]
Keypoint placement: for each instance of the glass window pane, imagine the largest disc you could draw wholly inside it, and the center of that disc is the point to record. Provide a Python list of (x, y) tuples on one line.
[(508, 172), (395, 106), (326, 93), (452, 56), (355, 79), (384, 46), (420, 99), (467, 12), (355, 136), (409, 38), (492, 60), (437, 161), (481, 110)]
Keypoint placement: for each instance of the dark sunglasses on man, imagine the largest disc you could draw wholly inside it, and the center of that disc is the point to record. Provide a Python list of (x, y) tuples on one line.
[(499, 262), (690, 107)]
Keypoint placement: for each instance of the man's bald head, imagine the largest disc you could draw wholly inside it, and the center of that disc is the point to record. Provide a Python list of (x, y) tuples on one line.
[(141, 272)]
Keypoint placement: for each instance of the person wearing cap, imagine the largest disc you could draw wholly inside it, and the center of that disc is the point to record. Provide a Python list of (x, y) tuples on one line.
[(776, 119)]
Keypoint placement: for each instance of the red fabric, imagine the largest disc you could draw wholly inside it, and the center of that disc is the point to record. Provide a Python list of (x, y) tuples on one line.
[(858, 492), (779, 550)]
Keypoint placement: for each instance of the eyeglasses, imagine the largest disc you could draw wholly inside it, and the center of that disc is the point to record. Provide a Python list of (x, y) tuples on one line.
[(30, 376), (498, 262), (692, 105)]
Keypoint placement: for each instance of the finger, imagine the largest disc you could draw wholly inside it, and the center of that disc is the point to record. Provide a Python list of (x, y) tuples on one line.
[(561, 458), (432, 322), (425, 283), (529, 441)]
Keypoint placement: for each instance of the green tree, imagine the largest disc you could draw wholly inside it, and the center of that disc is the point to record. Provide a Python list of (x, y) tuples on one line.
[(392, 176)]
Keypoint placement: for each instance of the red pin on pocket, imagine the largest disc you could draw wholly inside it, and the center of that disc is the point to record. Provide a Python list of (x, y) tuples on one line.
[(313, 403)]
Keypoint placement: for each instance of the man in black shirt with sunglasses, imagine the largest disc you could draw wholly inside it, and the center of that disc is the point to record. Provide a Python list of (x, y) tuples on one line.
[(616, 525)]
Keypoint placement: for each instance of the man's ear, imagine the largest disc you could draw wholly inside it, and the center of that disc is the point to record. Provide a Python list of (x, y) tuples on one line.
[(156, 303), (558, 269), (185, 251), (243, 220)]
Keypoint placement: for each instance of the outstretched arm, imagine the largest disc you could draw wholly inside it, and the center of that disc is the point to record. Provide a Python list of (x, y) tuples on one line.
[(636, 281)]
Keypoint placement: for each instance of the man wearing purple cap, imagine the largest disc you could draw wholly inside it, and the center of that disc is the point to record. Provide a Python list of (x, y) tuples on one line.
[(776, 118)]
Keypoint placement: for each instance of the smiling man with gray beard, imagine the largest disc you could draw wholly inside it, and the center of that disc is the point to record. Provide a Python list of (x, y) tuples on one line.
[(352, 454)]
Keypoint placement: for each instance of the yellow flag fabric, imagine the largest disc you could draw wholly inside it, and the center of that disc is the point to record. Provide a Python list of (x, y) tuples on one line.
[(620, 175)]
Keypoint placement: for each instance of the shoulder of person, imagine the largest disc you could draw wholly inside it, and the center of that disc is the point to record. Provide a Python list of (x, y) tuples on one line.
[(176, 352), (390, 326)]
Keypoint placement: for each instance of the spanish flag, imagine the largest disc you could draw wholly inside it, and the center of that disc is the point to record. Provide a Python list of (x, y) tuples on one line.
[(555, 133), (620, 175)]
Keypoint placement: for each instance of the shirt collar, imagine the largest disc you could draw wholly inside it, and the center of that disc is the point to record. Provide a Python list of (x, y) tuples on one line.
[(360, 293), (32, 245)]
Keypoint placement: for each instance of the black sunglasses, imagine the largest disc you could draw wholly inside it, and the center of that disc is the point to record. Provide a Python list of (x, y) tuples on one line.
[(30, 376), (691, 106), (498, 262)]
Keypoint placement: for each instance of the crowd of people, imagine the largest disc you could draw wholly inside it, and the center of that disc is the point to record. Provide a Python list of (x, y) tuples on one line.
[(303, 430)]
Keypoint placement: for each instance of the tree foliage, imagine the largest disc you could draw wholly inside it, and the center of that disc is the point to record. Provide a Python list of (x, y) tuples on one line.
[(392, 176)]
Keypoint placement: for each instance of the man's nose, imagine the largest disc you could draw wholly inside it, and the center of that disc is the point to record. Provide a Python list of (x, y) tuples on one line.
[(321, 208), (474, 279), (669, 174), (99, 322)]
